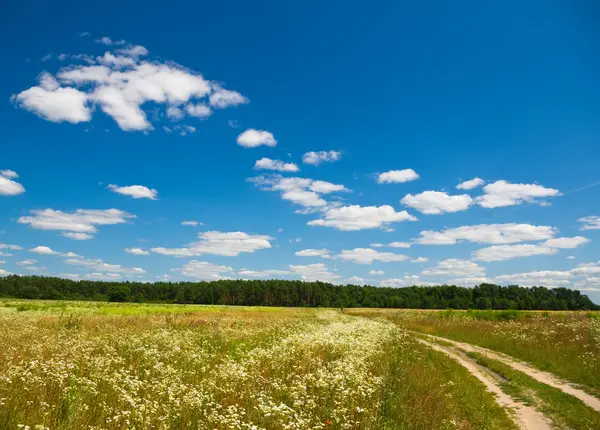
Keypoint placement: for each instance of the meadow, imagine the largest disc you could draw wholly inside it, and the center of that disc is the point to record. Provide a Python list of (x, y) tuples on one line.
[(91, 365)]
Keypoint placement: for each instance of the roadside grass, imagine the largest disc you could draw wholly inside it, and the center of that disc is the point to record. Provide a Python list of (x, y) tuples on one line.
[(79, 367), (566, 344), (563, 409)]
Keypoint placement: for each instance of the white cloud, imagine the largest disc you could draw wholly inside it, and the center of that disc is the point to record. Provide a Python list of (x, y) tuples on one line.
[(108, 41), (223, 98), (43, 250), (590, 222), (135, 191), (303, 191), (437, 202), (508, 252), (100, 266), (495, 234), (420, 260), (470, 281), (262, 273), (503, 193), (78, 236), (192, 223), (548, 278), (376, 272), (54, 103), (229, 244), (8, 187), (204, 270), (5, 254), (377, 245), (355, 217), (367, 256), (324, 253), (399, 245), (355, 280), (397, 176), (314, 272), (405, 281), (70, 255), (10, 174), (80, 221), (136, 251), (316, 158), (571, 257), (198, 110), (455, 267), (252, 138), (566, 242), (470, 184), (11, 247), (27, 262), (587, 269), (120, 84), (174, 113), (103, 276), (268, 164)]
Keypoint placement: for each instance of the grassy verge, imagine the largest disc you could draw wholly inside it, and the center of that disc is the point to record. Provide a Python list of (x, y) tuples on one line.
[(564, 410)]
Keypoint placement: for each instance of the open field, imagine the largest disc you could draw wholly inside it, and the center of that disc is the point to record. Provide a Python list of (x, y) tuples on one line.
[(85, 365)]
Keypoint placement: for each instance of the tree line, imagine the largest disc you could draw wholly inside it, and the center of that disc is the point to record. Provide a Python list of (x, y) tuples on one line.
[(297, 293)]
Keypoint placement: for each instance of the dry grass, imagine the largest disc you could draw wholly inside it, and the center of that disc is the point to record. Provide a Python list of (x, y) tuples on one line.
[(78, 366)]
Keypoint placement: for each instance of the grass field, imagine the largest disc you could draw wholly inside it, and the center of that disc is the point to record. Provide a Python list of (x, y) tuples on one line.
[(85, 365)]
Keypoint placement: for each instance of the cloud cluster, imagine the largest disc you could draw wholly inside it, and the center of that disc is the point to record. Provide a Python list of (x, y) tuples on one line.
[(302, 191), (368, 256), (590, 222), (135, 191), (81, 221), (280, 166), (355, 217), (495, 234), (9, 187), (455, 267), (437, 202), (397, 176), (119, 83), (316, 158), (100, 266), (228, 244), (503, 193)]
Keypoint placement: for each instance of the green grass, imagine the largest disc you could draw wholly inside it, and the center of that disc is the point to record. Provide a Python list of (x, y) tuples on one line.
[(564, 410)]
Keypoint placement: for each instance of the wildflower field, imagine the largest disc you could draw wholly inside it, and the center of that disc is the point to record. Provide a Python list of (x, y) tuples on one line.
[(87, 365)]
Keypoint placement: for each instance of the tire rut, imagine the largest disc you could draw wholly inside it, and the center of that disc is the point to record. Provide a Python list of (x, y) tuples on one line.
[(526, 417)]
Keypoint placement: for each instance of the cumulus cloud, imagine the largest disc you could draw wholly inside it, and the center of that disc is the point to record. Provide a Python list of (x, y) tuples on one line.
[(136, 251), (262, 273), (80, 221), (43, 250), (547, 278), (302, 191), (268, 164), (119, 83), (192, 223), (222, 98), (27, 262), (495, 234), (376, 272), (566, 242), (420, 260), (405, 281), (590, 222), (470, 184), (508, 252), (355, 280), (503, 193), (100, 266), (587, 269), (9, 187), (77, 236), (229, 244), (316, 158), (135, 191), (470, 281), (397, 176), (437, 202), (11, 247), (323, 253), (314, 272), (355, 217), (455, 267), (252, 138), (367, 256)]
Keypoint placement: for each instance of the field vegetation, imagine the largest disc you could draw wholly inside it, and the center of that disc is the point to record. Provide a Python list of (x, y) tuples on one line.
[(86, 365)]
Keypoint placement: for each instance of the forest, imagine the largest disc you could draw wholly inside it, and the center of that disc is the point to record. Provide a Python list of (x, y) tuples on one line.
[(297, 293)]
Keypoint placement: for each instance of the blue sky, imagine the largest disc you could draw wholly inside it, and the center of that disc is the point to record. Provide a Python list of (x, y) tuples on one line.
[(308, 141)]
